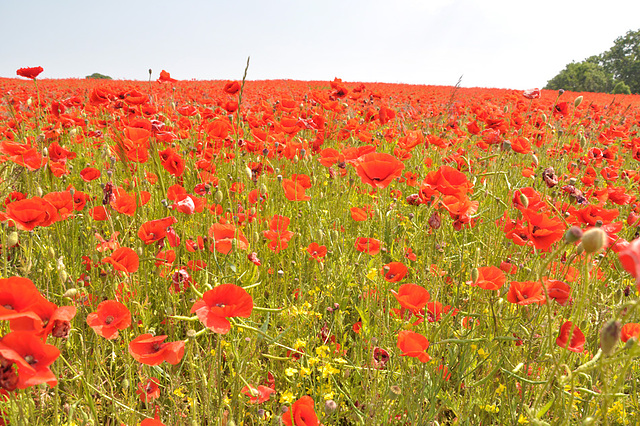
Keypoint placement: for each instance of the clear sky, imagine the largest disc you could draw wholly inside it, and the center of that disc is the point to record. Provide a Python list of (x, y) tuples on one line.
[(490, 43)]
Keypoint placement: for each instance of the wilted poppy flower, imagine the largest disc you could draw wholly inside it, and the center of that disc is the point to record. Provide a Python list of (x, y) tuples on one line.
[(394, 272), (123, 259), (526, 293), (490, 278), (220, 303), (31, 73), (150, 350), (414, 345), (110, 317), (368, 245), (571, 337), (630, 330), (149, 390), (225, 236), (257, 394), (301, 413), (412, 297), (378, 169)]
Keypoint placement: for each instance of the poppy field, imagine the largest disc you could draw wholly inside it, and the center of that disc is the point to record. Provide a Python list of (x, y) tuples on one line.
[(305, 253)]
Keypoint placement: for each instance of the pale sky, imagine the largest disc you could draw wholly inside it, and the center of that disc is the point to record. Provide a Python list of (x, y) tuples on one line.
[(511, 44)]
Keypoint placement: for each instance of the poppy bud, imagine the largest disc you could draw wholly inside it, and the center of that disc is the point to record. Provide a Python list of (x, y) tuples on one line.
[(577, 101), (52, 252), (572, 235), (38, 191), (594, 240), (524, 200), (535, 160), (125, 384), (218, 197), (12, 240), (474, 275), (609, 336), (435, 221), (330, 406), (630, 343), (45, 152), (70, 293), (279, 177), (248, 172), (150, 72)]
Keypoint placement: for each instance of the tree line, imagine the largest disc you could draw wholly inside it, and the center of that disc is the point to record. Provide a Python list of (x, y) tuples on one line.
[(615, 71)]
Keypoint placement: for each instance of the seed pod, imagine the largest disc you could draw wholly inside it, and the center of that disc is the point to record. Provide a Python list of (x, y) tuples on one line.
[(594, 240), (609, 336)]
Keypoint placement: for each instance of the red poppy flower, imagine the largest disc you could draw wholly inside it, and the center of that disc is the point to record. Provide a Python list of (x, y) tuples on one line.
[(257, 394), (294, 191), (165, 77), (123, 259), (31, 212), (220, 303), (89, 173), (225, 236), (630, 330), (394, 272), (558, 290), (378, 169), (412, 297), (31, 73), (317, 251), (526, 293), (32, 358), (630, 259), (490, 278), (414, 345), (149, 390), (301, 413), (110, 317), (531, 93), (150, 350), (155, 230), (571, 337), (447, 181), (152, 422), (231, 87), (278, 235), (368, 245)]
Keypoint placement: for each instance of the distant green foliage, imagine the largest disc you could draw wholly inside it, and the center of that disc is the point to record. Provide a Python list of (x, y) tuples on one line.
[(583, 76), (604, 72), (98, 76), (621, 89)]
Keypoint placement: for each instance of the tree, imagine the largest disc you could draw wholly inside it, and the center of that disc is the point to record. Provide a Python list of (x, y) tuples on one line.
[(621, 89), (586, 76), (97, 75), (623, 60)]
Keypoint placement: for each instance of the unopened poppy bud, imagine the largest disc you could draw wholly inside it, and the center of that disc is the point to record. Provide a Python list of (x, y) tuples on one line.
[(560, 92), (218, 197), (12, 239), (330, 406), (474, 275), (125, 384), (506, 145), (594, 240), (535, 160), (52, 252), (70, 293), (295, 158), (630, 343), (524, 200), (573, 234), (609, 336), (191, 334), (248, 172), (279, 177), (150, 72), (579, 249), (45, 152), (38, 191)]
